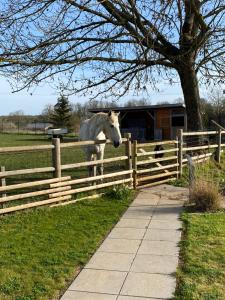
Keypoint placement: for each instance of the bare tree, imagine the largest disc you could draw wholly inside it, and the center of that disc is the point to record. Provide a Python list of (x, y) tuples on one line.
[(47, 112), (110, 47), (217, 101)]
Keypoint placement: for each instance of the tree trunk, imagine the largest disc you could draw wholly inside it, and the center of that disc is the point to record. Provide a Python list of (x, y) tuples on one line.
[(189, 84)]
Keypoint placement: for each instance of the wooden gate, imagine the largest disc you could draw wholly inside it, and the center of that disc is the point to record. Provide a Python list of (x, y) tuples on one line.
[(159, 166)]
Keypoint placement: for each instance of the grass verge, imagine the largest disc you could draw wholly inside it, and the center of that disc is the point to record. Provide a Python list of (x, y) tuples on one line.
[(201, 274), (41, 250)]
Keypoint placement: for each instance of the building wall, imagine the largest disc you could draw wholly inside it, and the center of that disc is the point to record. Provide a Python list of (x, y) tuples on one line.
[(163, 124), (139, 123)]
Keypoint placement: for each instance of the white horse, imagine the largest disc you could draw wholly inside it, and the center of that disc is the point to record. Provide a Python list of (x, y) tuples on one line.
[(100, 126)]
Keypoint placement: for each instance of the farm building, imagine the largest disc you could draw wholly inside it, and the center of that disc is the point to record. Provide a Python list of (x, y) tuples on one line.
[(152, 122)]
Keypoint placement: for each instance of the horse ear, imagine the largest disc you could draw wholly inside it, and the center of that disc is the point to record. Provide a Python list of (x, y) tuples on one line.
[(110, 113), (118, 113)]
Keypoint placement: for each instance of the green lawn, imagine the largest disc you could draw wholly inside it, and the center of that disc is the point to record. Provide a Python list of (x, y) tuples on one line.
[(201, 275), (15, 139), (41, 250)]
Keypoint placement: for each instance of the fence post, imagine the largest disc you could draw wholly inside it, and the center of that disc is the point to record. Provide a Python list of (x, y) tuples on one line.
[(180, 151), (177, 153), (191, 171), (3, 182), (135, 164), (219, 145), (56, 157), (128, 152), (95, 169)]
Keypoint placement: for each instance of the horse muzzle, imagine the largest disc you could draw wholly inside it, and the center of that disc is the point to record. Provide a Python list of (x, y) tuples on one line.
[(116, 144)]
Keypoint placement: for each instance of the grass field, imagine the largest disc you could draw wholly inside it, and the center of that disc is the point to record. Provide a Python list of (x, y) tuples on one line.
[(201, 275)]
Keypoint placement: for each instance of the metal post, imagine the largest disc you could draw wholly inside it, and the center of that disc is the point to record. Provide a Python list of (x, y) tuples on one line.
[(56, 157)]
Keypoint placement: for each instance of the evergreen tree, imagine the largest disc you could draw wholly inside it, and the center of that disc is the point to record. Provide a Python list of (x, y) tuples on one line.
[(62, 113)]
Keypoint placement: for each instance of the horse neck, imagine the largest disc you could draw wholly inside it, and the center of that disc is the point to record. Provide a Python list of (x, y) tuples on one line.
[(98, 126)]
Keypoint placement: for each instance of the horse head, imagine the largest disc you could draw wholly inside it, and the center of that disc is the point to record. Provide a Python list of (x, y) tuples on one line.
[(112, 128)]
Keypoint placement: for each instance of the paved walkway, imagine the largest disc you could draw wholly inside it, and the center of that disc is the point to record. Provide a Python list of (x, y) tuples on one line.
[(138, 259)]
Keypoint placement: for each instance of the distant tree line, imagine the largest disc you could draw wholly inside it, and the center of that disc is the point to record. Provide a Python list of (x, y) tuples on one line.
[(213, 108)]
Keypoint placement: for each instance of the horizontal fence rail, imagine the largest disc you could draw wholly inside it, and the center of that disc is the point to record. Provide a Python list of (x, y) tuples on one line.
[(25, 148), (32, 184), (94, 163), (157, 152), (152, 160), (86, 143)]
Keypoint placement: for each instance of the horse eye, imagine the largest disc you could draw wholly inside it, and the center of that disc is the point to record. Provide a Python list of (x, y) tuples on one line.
[(111, 126)]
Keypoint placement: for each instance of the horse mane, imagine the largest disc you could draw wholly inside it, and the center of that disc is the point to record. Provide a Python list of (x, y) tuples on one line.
[(99, 114)]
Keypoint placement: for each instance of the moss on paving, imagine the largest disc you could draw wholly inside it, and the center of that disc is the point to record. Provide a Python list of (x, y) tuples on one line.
[(202, 271), (40, 250)]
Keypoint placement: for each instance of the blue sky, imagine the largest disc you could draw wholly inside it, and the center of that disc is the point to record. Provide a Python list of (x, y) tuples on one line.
[(34, 104)]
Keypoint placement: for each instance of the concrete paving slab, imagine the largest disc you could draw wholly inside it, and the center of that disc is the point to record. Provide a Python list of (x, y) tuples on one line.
[(166, 201), (149, 285), (159, 248), (165, 224), (173, 195), (168, 217), (73, 295), (168, 209), (127, 233), (148, 196), (110, 261), (133, 223), (139, 212), (99, 281), (135, 298), (144, 201), (163, 235), (167, 212), (120, 246), (168, 188), (161, 264)]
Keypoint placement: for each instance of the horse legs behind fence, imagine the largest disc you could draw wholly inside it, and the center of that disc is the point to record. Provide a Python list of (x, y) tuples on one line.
[(90, 168), (100, 168)]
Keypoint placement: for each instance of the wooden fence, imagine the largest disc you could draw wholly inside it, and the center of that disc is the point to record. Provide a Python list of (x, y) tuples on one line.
[(145, 164), (167, 164), (60, 188)]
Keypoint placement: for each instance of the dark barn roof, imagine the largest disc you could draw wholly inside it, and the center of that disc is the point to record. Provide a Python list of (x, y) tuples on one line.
[(139, 108)]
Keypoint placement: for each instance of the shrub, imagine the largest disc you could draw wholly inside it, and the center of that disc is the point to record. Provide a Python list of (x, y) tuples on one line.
[(205, 195), (119, 192)]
